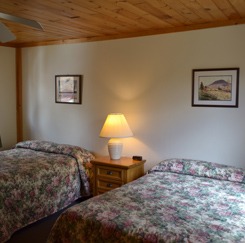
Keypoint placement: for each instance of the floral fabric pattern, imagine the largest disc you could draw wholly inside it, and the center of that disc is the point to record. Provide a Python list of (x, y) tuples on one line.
[(201, 168), (38, 178), (162, 206)]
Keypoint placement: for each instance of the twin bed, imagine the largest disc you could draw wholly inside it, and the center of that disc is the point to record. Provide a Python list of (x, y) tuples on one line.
[(37, 179), (177, 201)]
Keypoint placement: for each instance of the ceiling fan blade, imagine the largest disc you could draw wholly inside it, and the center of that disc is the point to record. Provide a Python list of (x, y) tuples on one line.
[(20, 20), (5, 34)]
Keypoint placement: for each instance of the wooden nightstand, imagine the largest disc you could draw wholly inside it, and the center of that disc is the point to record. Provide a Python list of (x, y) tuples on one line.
[(110, 174)]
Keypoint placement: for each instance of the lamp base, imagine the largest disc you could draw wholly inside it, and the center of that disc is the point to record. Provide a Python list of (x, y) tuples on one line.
[(115, 148)]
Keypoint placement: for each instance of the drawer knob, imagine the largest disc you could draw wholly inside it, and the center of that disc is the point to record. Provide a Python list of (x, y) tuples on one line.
[(109, 173), (109, 185)]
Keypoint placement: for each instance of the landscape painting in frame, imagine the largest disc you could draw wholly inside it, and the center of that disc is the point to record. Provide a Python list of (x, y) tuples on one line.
[(215, 87), (68, 89)]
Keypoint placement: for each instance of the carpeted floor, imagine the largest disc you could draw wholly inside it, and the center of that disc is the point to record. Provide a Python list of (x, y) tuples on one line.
[(38, 232)]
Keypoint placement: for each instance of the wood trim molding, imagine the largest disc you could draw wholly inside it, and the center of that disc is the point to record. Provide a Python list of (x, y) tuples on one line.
[(19, 122)]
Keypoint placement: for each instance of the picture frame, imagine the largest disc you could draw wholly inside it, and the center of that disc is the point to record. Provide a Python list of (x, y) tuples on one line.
[(215, 87), (68, 89)]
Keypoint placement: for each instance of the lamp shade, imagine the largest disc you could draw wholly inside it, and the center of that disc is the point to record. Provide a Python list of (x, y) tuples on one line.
[(116, 126)]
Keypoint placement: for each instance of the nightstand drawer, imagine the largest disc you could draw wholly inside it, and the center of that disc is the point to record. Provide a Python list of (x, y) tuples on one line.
[(108, 185), (110, 172)]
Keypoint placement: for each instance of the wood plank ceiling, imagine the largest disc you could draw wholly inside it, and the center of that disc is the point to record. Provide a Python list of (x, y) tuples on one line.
[(70, 21)]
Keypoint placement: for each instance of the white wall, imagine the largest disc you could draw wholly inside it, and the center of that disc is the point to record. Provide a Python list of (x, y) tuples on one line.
[(7, 97), (149, 80)]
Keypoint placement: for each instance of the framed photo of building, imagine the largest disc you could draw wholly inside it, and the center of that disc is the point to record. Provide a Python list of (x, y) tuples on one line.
[(215, 87), (68, 89)]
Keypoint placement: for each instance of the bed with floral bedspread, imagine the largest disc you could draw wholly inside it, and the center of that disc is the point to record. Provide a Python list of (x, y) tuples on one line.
[(38, 178), (177, 201)]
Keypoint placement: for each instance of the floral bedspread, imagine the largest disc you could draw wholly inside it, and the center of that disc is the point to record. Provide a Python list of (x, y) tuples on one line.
[(38, 178), (177, 201)]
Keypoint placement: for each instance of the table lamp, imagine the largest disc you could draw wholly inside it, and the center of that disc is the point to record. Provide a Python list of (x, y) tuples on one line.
[(115, 127)]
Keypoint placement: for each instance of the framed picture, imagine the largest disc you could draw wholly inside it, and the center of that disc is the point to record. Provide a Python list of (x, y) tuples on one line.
[(215, 87), (68, 89)]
